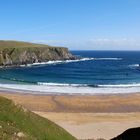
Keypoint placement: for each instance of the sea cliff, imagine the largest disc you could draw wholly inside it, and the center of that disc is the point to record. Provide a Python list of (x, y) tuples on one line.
[(14, 53)]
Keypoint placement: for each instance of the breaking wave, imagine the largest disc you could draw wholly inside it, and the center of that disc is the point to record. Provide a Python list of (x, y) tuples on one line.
[(68, 61), (72, 89), (134, 65), (91, 85)]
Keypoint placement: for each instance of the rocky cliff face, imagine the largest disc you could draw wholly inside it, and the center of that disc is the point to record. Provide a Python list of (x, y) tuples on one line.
[(28, 53)]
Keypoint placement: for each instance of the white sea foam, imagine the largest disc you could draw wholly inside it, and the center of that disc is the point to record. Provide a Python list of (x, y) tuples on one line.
[(73, 89), (108, 58), (57, 62), (61, 84), (92, 86), (134, 65), (67, 61), (120, 86)]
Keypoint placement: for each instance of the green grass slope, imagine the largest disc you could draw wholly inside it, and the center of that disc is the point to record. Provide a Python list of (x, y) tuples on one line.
[(17, 123), (20, 44)]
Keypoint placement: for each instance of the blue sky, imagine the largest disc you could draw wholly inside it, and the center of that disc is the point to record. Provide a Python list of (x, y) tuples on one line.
[(77, 24)]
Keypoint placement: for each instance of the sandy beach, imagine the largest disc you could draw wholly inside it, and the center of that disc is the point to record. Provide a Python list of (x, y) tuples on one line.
[(85, 117)]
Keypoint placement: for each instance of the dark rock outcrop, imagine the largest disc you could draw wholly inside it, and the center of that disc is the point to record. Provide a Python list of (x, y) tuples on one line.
[(130, 134), (14, 53)]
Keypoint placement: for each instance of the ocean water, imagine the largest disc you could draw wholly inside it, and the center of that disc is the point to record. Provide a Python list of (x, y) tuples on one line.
[(97, 72)]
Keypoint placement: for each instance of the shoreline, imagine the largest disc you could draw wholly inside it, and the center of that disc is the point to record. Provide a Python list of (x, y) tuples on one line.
[(28, 92), (84, 116), (45, 93), (41, 63)]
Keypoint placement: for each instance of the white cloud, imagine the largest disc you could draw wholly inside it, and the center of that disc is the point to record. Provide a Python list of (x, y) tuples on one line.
[(117, 44), (95, 44)]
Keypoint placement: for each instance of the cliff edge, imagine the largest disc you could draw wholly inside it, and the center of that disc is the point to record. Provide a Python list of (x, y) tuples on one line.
[(15, 53)]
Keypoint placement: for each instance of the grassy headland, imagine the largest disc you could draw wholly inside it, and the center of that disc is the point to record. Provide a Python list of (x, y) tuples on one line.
[(16, 53), (21, 44)]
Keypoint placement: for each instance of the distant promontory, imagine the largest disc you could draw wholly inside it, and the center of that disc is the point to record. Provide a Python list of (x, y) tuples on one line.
[(16, 53)]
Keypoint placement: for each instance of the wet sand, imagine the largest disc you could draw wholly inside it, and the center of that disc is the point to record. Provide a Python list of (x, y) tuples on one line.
[(85, 117)]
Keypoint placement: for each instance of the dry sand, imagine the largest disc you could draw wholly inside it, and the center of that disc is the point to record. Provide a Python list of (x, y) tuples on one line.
[(85, 117), (94, 125)]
